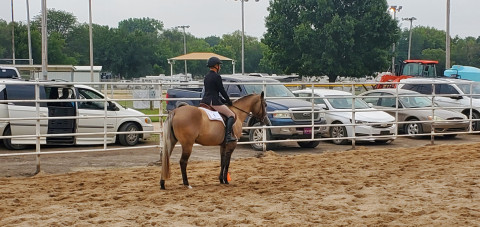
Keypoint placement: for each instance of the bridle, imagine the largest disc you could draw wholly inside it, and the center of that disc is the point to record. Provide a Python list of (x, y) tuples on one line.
[(261, 119)]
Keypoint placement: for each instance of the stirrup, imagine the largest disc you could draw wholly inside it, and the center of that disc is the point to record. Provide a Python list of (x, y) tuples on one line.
[(229, 138)]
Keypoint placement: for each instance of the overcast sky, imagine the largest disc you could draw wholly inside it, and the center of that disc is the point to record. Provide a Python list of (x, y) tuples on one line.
[(218, 17)]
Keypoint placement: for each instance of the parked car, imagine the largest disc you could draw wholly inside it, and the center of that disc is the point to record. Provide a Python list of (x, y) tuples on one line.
[(454, 94), (123, 84), (18, 110), (282, 107), (339, 114), (413, 108), (7, 72)]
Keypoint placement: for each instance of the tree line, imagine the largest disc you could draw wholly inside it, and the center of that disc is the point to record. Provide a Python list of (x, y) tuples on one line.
[(308, 37)]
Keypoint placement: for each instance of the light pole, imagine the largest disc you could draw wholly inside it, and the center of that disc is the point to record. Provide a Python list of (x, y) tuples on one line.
[(13, 37), (44, 40), (411, 19), (90, 35), (447, 38), (243, 35), (184, 45), (394, 9), (30, 59)]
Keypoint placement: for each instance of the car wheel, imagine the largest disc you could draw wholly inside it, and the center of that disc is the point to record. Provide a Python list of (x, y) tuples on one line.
[(337, 133), (129, 139), (310, 144), (256, 135), (8, 142), (476, 123), (413, 128)]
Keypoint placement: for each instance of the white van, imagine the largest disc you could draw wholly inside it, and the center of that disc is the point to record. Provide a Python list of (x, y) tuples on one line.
[(18, 111), (456, 94)]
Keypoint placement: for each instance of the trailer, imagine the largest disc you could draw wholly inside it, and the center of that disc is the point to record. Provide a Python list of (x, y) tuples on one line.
[(463, 72)]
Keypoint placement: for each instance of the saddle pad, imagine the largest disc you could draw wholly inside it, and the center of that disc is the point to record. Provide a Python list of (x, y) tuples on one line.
[(213, 115)]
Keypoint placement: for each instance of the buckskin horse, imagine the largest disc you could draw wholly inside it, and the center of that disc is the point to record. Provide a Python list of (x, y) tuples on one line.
[(189, 125)]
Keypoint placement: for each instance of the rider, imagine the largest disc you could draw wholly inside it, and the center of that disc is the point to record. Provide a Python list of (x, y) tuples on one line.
[(213, 85)]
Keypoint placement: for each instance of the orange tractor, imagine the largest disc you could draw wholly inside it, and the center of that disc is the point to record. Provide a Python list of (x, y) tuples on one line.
[(409, 68)]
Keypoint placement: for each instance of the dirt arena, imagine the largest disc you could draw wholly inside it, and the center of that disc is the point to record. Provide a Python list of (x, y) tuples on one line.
[(430, 185)]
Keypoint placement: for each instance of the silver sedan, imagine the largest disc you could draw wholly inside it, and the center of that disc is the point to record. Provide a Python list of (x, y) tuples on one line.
[(416, 112)]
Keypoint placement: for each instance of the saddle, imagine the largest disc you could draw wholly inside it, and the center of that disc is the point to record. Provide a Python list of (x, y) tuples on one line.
[(208, 107)]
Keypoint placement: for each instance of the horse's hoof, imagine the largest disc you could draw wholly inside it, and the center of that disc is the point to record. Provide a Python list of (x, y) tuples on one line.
[(188, 186)]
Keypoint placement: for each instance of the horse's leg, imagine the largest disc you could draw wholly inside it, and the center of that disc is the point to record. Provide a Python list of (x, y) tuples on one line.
[(222, 165), (228, 156), (186, 152)]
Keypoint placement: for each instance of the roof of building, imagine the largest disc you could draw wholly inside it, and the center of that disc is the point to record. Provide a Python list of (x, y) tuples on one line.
[(200, 56)]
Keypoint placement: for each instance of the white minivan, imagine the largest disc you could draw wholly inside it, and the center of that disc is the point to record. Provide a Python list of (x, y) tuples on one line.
[(70, 109)]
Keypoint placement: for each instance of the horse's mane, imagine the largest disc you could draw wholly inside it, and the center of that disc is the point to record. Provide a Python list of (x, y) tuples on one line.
[(246, 96)]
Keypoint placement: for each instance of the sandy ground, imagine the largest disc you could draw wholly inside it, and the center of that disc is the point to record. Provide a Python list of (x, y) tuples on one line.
[(429, 185)]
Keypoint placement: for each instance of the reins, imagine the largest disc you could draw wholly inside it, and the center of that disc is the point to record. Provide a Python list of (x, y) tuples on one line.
[(249, 114)]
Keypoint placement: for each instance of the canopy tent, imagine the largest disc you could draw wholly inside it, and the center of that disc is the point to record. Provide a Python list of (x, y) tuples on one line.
[(198, 56)]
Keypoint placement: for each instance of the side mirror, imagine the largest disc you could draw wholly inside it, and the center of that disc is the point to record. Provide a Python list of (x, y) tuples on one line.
[(370, 105), (323, 106), (112, 106)]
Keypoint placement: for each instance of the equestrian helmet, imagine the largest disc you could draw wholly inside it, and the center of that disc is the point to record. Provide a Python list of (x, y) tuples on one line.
[(213, 61)]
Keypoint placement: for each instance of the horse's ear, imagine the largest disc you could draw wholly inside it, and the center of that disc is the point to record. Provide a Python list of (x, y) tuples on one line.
[(262, 95)]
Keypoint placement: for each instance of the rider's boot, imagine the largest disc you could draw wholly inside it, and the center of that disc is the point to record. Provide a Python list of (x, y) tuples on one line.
[(228, 130)]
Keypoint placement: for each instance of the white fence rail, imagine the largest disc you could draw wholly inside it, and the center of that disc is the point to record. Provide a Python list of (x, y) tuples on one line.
[(157, 101)]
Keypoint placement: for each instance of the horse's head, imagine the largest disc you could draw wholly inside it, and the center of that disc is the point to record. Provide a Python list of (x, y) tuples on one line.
[(254, 105), (259, 109)]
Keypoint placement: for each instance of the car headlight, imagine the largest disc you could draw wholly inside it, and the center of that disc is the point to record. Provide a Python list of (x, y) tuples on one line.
[(281, 115), (148, 120), (435, 118), (359, 121)]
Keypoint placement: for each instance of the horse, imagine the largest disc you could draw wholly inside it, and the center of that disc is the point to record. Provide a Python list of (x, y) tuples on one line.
[(189, 125)]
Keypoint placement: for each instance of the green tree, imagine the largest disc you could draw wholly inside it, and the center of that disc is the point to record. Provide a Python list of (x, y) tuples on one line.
[(56, 51), (78, 44), (321, 37), (58, 21), (466, 51), (137, 42), (213, 40), (231, 46)]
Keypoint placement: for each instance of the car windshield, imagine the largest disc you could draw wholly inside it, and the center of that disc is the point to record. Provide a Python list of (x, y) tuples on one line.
[(273, 90), (473, 88), (415, 102), (346, 103)]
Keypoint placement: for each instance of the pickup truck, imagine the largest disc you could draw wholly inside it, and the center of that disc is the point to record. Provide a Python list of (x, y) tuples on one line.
[(282, 107), (7, 72)]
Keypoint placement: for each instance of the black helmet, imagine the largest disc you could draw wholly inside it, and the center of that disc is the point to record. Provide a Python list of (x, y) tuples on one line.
[(213, 61)]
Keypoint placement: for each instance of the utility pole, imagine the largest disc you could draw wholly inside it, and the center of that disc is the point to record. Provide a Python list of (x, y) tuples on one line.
[(184, 45), (44, 40), (394, 9), (30, 59), (13, 37), (243, 35), (411, 19), (90, 35), (447, 38)]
